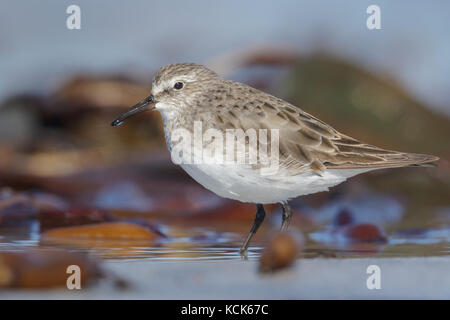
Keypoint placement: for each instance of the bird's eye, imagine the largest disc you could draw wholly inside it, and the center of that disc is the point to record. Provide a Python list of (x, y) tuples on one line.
[(178, 85)]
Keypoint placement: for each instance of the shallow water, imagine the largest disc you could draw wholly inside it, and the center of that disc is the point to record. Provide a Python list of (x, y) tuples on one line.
[(210, 245)]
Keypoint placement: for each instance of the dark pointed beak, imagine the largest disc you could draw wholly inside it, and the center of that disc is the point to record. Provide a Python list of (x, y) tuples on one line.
[(145, 105)]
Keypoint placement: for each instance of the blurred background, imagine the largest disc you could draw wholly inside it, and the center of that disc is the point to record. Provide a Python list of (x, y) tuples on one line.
[(68, 177)]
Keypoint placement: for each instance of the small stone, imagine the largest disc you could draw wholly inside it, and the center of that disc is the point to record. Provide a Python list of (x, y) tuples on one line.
[(73, 217), (107, 230), (281, 252), (364, 232), (343, 218)]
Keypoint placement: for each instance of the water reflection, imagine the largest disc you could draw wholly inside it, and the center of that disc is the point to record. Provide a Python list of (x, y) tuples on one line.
[(210, 245)]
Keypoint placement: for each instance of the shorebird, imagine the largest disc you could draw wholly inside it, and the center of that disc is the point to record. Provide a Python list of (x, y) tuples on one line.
[(311, 157)]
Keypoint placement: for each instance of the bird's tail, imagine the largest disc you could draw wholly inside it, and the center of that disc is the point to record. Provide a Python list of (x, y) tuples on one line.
[(411, 160)]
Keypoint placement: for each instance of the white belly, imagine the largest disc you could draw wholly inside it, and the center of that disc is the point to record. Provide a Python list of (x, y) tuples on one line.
[(247, 185)]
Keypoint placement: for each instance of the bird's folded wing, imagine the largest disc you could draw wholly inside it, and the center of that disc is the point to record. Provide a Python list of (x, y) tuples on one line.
[(306, 142)]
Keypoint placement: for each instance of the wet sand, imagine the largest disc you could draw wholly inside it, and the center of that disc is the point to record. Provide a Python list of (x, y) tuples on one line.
[(401, 278)]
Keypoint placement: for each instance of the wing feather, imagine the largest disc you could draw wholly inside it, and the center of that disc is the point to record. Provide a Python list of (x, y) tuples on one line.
[(306, 143)]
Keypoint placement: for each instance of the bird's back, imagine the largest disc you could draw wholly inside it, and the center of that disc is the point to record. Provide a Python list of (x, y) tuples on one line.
[(305, 142)]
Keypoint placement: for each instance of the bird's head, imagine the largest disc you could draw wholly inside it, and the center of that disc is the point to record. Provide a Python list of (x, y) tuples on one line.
[(174, 87)]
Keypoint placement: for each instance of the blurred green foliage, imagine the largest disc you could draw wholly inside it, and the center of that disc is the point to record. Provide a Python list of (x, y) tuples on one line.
[(370, 108)]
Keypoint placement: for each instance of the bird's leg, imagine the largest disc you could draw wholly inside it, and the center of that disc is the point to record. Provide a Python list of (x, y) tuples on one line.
[(287, 214), (259, 218)]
